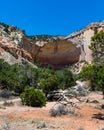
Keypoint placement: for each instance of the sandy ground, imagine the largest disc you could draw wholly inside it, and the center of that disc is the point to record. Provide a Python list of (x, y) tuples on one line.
[(90, 116)]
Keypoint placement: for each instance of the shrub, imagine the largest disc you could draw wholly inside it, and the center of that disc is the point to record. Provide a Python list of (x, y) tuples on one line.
[(6, 30), (5, 27), (50, 80), (59, 110), (82, 91), (97, 47), (65, 78), (95, 74), (49, 84), (5, 93), (78, 91), (33, 97)]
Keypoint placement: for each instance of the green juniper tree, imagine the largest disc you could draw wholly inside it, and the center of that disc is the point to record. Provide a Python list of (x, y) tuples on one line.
[(97, 47), (95, 72)]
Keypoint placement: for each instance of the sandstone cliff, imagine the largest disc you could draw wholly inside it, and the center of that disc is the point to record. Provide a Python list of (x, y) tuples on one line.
[(57, 51), (82, 39)]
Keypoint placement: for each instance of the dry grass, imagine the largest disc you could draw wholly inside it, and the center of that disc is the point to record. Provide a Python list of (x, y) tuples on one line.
[(28, 118)]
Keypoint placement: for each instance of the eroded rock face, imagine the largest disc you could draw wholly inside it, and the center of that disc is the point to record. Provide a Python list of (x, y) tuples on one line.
[(82, 38), (6, 45), (54, 51), (10, 38), (71, 49), (59, 53)]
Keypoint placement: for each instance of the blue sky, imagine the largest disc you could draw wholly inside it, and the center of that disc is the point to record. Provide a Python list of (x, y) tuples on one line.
[(53, 17)]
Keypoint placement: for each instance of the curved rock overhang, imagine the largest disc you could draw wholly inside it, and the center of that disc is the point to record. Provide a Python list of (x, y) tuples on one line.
[(59, 54)]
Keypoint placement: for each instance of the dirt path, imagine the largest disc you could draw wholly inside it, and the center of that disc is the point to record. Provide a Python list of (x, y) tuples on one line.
[(89, 117), (11, 100)]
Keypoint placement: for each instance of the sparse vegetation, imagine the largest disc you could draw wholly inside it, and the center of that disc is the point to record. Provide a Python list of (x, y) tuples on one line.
[(97, 47), (5, 27), (59, 110), (95, 74), (50, 80), (12, 77), (41, 37), (17, 77), (5, 126), (12, 53)]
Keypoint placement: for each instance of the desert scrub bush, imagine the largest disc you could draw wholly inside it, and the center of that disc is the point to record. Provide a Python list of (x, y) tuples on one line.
[(78, 91), (5, 93), (82, 91), (58, 110), (33, 97), (95, 74), (5, 27), (5, 126)]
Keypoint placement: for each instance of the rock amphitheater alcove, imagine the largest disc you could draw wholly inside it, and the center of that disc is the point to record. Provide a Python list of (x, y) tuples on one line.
[(59, 54)]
